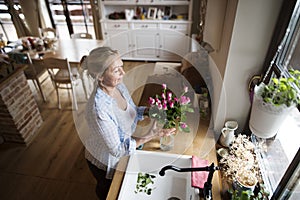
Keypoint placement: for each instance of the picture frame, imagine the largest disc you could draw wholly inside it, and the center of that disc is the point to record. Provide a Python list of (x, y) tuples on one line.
[(167, 11), (151, 13)]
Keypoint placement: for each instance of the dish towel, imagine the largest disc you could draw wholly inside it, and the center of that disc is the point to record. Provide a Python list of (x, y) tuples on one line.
[(199, 177)]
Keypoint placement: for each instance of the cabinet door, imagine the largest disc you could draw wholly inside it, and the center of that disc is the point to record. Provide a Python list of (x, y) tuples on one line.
[(119, 40), (173, 45), (117, 36), (146, 44)]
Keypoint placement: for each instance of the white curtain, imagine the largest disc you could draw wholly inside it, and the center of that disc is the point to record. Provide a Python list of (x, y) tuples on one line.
[(96, 19), (21, 27), (36, 15), (43, 14)]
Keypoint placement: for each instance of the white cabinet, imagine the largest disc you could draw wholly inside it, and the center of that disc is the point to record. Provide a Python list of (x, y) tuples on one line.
[(174, 41), (174, 45), (117, 36), (146, 44), (147, 39)]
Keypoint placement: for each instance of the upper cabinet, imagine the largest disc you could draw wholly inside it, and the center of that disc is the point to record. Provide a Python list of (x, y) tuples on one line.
[(147, 29)]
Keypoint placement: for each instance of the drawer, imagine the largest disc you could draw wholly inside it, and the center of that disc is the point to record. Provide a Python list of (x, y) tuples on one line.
[(175, 26), (144, 26), (116, 26)]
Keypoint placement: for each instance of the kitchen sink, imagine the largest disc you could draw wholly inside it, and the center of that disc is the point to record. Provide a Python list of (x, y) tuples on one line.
[(172, 185)]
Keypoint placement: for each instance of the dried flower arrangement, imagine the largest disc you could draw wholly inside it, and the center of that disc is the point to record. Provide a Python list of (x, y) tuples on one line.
[(241, 160)]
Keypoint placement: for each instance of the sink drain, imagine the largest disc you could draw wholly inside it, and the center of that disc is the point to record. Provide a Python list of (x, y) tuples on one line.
[(173, 198)]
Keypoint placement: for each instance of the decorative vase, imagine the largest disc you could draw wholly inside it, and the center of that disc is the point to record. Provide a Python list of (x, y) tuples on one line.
[(167, 142), (244, 180)]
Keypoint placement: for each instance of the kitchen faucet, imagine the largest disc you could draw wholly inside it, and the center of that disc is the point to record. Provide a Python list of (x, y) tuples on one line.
[(207, 185)]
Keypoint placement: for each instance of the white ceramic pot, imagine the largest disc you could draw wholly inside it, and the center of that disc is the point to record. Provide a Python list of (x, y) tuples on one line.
[(244, 181), (266, 119)]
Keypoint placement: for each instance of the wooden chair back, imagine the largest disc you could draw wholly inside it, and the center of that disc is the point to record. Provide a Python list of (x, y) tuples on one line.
[(81, 36), (48, 32)]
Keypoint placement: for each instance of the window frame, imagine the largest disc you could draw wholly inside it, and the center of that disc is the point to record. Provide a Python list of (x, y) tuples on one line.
[(279, 66)]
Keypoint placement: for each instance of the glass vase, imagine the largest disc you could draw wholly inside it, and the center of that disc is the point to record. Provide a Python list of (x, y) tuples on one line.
[(167, 142)]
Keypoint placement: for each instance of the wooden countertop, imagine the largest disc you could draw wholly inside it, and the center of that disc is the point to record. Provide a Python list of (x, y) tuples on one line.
[(193, 149)]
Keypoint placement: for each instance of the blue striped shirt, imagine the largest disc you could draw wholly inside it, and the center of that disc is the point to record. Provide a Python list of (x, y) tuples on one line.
[(110, 129)]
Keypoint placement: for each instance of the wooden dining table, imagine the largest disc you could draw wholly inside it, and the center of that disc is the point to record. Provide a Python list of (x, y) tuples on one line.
[(72, 49)]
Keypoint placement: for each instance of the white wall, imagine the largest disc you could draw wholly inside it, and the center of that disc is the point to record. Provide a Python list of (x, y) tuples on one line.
[(252, 32)]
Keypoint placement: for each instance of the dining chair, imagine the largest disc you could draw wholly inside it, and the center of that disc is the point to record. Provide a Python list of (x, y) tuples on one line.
[(61, 76), (85, 82), (81, 36), (32, 72), (48, 33)]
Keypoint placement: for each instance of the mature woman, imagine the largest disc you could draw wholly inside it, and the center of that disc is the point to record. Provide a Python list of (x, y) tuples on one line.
[(112, 117)]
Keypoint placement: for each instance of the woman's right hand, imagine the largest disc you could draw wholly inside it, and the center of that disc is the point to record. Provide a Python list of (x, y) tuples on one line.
[(160, 132), (154, 132)]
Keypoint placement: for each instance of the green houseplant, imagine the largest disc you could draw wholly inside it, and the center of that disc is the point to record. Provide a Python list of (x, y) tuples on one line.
[(272, 103), (260, 193), (280, 91)]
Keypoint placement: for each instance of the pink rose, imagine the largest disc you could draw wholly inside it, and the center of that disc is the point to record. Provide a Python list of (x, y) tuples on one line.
[(159, 106), (164, 86), (184, 100), (151, 101), (186, 89), (183, 125), (157, 101), (169, 94), (164, 106)]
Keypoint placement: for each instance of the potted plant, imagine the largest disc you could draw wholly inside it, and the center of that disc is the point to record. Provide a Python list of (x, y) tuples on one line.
[(260, 193), (272, 103)]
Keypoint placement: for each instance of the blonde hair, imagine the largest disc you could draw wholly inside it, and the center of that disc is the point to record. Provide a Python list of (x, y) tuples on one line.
[(98, 60)]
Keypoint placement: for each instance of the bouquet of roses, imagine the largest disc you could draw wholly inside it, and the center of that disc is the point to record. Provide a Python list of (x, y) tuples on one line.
[(170, 110)]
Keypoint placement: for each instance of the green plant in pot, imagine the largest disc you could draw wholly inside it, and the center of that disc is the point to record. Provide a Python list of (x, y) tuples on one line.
[(260, 193), (272, 103), (280, 91)]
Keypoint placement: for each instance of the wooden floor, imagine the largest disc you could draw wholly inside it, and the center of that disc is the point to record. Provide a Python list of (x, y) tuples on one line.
[(53, 165)]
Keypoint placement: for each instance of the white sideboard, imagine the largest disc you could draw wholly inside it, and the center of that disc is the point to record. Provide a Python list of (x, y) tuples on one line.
[(142, 38)]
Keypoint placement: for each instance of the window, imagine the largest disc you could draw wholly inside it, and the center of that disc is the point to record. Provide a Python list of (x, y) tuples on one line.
[(7, 27), (279, 157), (72, 16), (69, 16)]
